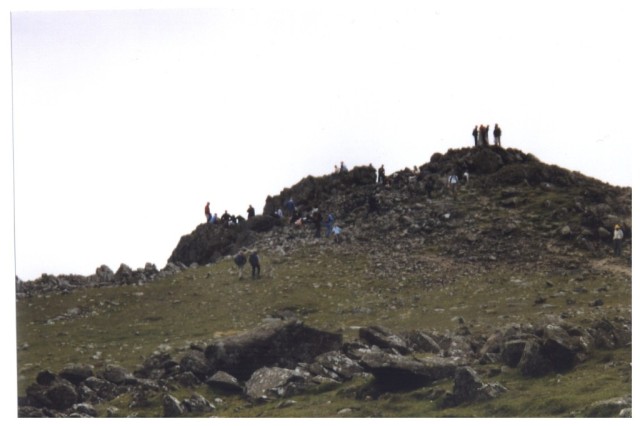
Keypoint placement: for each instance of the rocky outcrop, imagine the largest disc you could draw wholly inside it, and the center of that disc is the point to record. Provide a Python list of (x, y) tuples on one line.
[(278, 343), (103, 277), (282, 358)]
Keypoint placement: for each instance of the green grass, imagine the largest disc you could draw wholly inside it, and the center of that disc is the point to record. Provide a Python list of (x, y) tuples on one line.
[(334, 292)]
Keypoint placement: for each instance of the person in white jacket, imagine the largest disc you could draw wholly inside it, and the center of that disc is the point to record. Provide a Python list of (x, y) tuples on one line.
[(617, 240)]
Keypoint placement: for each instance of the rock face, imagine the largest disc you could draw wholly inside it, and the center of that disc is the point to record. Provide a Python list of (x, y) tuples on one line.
[(281, 343)]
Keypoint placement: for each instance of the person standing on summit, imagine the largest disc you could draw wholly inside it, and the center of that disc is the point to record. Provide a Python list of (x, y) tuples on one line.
[(207, 212), (497, 132)]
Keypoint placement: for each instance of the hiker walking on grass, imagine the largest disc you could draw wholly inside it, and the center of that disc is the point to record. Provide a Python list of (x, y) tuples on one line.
[(240, 260), (617, 240), (254, 261)]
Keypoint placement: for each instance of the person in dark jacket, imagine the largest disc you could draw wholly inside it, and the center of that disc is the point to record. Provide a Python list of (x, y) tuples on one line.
[(497, 133), (254, 261), (381, 175), (251, 212), (240, 260)]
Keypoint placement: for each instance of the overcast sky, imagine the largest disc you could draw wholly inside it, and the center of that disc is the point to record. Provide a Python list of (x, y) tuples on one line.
[(126, 122)]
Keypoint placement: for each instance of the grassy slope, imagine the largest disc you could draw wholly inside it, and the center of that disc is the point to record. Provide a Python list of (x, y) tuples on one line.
[(338, 288), (125, 324)]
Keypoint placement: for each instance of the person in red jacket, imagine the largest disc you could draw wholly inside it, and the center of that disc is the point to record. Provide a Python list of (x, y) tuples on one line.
[(207, 212)]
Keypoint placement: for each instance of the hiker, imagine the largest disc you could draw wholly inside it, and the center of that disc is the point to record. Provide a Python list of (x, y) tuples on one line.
[(316, 217), (343, 168), (429, 185), (207, 212), (453, 184), (329, 223), (381, 175), (225, 218), (476, 141), (290, 206), (214, 218), (336, 234), (485, 135), (465, 176), (251, 212), (497, 132), (240, 260), (617, 240), (254, 261)]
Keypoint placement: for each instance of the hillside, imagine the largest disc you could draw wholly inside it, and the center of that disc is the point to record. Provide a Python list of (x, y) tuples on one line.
[(520, 259)]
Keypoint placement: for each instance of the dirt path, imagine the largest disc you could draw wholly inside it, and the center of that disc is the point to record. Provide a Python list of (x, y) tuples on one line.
[(615, 265)]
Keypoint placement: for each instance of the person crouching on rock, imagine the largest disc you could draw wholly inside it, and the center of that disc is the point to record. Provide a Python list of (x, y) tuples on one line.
[(240, 261), (254, 261)]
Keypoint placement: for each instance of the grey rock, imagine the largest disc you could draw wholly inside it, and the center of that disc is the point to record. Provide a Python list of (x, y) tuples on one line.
[(224, 382), (403, 372), (195, 362), (383, 338), (282, 343), (275, 382), (171, 406), (76, 373), (198, 404)]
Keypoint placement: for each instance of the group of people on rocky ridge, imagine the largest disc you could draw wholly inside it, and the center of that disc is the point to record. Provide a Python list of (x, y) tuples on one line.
[(481, 135)]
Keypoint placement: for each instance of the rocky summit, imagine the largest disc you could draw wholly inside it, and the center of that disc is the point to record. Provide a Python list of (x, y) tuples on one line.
[(499, 297)]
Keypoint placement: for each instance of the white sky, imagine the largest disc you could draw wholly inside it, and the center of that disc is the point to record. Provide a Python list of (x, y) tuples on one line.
[(126, 122)]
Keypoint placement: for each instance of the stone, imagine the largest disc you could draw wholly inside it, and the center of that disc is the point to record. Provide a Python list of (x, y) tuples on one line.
[(335, 365), (274, 382), (171, 406), (76, 373), (198, 404), (278, 343), (195, 362), (383, 338), (116, 374), (62, 395), (403, 372), (224, 382)]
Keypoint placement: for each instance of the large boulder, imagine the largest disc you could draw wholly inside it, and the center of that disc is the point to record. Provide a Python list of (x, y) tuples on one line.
[(225, 382), (195, 362), (278, 343), (468, 387), (208, 243), (76, 373), (335, 365), (403, 372), (383, 338), (275, 382), (533, 362)]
